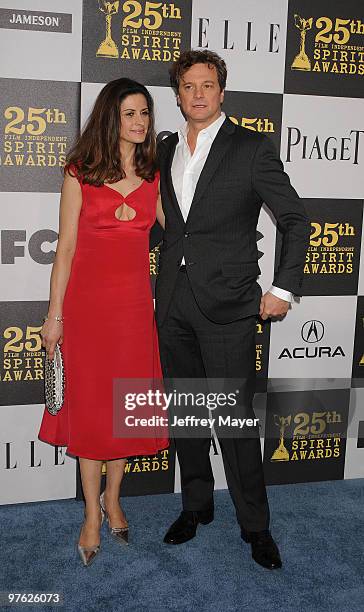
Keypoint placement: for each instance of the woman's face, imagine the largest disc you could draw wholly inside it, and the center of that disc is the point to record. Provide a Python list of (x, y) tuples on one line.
[(134, 118)]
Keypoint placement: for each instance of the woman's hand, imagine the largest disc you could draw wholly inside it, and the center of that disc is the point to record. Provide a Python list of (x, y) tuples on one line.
[(51, 333)]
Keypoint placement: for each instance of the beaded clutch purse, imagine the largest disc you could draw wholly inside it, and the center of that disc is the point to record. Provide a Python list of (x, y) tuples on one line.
[(54, 381)]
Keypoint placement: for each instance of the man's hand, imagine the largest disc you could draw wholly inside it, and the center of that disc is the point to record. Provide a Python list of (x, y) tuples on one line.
[(272, 306)]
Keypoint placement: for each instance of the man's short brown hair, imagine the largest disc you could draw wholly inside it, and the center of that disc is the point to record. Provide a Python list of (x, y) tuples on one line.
[(190, 58)]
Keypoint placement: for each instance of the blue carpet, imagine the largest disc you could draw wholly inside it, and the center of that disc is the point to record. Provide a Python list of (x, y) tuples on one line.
[(318, 526)]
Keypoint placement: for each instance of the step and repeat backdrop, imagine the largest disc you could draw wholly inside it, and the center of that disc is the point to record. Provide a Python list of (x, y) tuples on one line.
[(296, 73)]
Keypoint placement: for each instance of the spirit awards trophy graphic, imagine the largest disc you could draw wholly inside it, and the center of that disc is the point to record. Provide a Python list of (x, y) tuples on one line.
[(108, 47), (281, 453), (301, 61)]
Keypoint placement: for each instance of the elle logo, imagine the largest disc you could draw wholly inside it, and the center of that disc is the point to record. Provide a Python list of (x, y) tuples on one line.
[(247, 40)]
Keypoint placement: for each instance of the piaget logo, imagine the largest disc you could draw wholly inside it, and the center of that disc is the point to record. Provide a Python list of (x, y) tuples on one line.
[(330, 148), (22, 354), (145, 33), (337, 47), (305, 436), (330, 251), (26, 138)]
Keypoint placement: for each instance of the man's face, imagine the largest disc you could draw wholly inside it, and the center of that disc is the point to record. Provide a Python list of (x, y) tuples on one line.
[(199, 94)]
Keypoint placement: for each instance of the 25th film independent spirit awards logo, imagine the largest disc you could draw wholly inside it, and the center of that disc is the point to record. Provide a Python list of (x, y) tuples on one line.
[(325, 48), (38, 123), (305, 437), (132, 38), (333, 256), (21, 353), (149, 475), (358, 357), (257, 112)]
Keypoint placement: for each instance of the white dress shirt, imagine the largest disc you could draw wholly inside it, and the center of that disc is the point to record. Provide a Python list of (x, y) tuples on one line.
[(186, 170)]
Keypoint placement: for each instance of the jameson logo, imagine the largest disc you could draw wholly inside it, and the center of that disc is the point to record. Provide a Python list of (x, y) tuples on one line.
[(142, 31), (308, 436), (26, 138), (329, 45), (255, 124), (330, 250), (35, 20)]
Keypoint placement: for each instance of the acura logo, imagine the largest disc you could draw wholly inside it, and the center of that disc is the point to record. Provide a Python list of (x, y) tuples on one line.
[(312, 331)]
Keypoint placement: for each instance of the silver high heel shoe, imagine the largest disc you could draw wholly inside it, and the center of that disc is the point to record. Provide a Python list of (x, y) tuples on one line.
[(88, 553), (121, 534)]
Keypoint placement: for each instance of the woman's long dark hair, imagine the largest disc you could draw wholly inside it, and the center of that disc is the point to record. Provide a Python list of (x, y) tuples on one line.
[(96, 153)]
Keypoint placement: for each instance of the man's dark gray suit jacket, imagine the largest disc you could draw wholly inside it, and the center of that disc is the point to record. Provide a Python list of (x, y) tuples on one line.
[(218, 240)]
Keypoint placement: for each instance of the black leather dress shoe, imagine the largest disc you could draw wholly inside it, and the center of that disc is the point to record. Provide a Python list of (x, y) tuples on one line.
[(264, 549), (184, 528)]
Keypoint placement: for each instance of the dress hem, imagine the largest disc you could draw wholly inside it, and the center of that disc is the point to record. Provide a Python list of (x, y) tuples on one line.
[(72, 453)]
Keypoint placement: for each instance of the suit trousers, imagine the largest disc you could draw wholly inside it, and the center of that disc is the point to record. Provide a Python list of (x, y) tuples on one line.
[(192, 346)]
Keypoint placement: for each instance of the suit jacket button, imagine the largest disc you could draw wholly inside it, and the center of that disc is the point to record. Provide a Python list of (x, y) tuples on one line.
[(187, 235)]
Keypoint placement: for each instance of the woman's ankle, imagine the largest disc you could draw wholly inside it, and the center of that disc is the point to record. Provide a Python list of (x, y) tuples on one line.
[(111, 497), (93, 514)]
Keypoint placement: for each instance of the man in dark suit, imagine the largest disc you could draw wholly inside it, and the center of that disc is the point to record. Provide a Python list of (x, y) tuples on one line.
[(214, 178)]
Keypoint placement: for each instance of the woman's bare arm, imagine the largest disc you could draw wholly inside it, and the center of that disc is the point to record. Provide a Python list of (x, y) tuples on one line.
[(160, 213), (70, 207)]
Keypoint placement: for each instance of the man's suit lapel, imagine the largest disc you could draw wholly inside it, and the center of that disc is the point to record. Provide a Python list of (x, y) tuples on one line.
[(218, 149), (169, 159)]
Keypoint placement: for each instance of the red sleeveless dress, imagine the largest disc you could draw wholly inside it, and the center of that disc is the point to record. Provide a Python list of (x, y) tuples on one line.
[(109, 325)]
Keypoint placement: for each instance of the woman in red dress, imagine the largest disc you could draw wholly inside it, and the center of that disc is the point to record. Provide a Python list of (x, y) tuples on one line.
[(101, 307)]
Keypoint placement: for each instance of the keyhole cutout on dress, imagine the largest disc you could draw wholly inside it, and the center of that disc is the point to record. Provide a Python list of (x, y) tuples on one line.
[(125, 213)]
